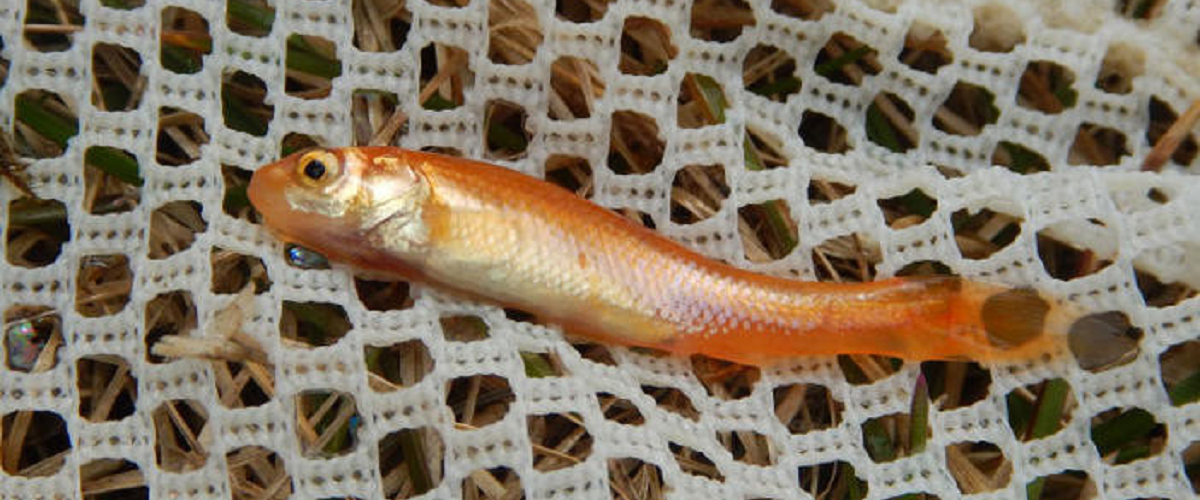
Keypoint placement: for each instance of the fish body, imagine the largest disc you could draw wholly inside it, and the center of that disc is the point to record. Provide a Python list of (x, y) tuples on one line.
[(498, 235)]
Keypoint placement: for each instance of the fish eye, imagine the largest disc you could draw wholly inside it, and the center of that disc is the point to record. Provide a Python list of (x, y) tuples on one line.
[(317, 167), (314, 169)]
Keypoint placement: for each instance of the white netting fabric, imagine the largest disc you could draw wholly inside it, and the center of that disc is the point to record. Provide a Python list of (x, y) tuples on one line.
[(1147, 222)]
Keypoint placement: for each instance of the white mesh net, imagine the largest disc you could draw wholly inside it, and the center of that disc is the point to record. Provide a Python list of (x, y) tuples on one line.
[(315, 421)]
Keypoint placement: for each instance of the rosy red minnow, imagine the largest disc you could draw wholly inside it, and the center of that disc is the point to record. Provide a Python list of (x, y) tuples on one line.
[(491, 233)]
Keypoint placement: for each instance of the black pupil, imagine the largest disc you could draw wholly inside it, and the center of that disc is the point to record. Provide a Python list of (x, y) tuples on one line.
[(314, 169)]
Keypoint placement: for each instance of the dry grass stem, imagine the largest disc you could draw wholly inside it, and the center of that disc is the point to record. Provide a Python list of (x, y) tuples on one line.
[(1170, 141)]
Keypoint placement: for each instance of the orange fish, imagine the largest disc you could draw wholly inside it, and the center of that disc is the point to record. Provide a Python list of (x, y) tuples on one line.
[(498, 235)]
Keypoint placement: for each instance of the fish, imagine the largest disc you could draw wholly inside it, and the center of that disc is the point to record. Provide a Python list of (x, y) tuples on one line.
[(493, 234)]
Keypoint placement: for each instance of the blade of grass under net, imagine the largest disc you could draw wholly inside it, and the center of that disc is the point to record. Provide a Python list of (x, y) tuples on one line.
[(46, 123), (1186, 390), (412, 451), (179, 59), (854, 488), (786, 85), (504, 138), (834, 65), (1115, 433), (920, 417), (536, 366), (113, 162), (877, 440), (1023, 160), (1131, 453), (301, 56), (438, 103), (713, 97), (236, 198), (33, 213), (254, 15), (1049, 408), (916, 202), (234, 111), (776, 219), (1033, 490), (880, 130)]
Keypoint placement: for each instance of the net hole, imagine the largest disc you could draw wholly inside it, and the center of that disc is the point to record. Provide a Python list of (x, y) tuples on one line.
[(635, 146), (925, 49), (891, 437), (373, 32), (446, 78), (978, 466), (377, 118), (672, 400), (770, 72), (1040, 409), (112, 478), (243, 103), (494, 483), (108, 390), (51, 26), (558, 440), (173, 228), (173, 314), (1124, 435), (646, 48), (181, 137), (809, 10), (514, 33), (312, 65), (327, 423), (45, 123), (619, 410), (889, 123), (845, 60), (178, 428), (40, 441), (748, 447), (255, 469), (697, 193), (397, 366), (981, 234), (695, 463), (572, 173), (701, 102), (117, 79), (479, 400), (36, 232), (507, 133), (183, 41), (103, 284), (839, 476)]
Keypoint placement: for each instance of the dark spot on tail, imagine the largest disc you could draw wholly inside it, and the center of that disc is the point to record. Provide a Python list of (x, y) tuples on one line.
[(1102, 340), (1014, 317)]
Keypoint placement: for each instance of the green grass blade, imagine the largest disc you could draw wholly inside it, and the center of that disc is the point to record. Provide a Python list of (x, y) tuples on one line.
[(1050, 408), (114, 162), (1115, 433), (880, 130), (787, 85), (834, 65), (920, 417), (536, 366), (50, 125), (714, 98), (304, 58), (254, 15), (1186, 390)]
